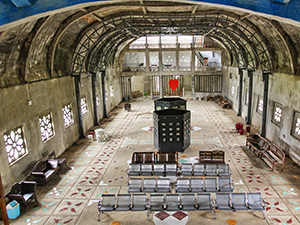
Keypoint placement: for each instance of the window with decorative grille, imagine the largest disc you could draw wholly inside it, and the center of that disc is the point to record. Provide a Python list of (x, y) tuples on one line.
[(68, 115), (277, 113), (84, 108), (46, 127), (296, 125), (15, 145)]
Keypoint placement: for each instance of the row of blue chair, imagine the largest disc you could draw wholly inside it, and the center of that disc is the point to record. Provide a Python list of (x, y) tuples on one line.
[(176, 202), (186, 169)]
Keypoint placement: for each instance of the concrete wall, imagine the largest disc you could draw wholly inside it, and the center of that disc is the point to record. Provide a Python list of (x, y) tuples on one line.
[(283, 89), (47, 97), (138, 83)]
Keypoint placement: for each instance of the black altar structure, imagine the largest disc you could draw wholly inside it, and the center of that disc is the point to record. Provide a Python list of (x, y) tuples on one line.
[(169, 103), (172, 130)]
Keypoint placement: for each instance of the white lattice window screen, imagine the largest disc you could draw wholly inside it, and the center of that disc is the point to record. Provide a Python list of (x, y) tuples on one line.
[(232, 90), (277, 114), (97, 100), (260, 104), (111, 90), (68, 115), (46, 127), (15, 145), (84, 109), (297, 126), (247, 97)]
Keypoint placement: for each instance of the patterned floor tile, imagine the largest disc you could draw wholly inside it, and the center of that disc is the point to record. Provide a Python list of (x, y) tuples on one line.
[(276, 207), (277, 179), (30, 220), (266, 191), (287, 191), (88, 180), (105, 190), (56, 192), (59, 220), (88, 153), (240, 189), (80, 192), (97, 169), (256, 180), (68, 179), (46, 207), (82, 161), (75, 169), (284, 220), (293, 205), (70, 207)]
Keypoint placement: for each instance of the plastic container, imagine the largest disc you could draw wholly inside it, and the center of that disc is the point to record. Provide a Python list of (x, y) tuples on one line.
[(13, 210)]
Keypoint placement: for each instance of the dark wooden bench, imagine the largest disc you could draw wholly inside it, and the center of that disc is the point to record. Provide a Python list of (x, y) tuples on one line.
[(44, 171), (154, 157), (257, 144), (266, 150), (127, 107), (24, 193), (61, 162), (274, 156), (216, 157)]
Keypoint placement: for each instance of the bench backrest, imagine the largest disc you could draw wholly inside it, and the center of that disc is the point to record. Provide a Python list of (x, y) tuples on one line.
[(187, 167), (136, 182), (238, 200), (196, 182), (183, 182), (254, 200), (277, 151), (223, 200), (163, 182), (188, 199), (157, 200), (108, 200), (139, 200), (124, 200)]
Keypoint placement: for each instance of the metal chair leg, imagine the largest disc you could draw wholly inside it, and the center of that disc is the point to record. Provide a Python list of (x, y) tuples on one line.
[(148, 215), (214, 213)]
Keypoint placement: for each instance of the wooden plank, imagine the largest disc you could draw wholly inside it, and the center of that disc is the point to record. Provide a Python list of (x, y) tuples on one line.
[(3, 205)]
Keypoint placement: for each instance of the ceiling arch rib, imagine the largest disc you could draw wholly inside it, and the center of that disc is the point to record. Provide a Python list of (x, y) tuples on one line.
[(101, 50), (246, 40), (89, 44)]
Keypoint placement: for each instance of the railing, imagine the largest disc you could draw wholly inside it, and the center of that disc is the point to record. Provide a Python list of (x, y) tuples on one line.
[(134, 69)]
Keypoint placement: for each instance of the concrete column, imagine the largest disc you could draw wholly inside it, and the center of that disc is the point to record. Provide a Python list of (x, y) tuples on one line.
[(77, 91), (193, 86), (250, 90), (265, 109), (94, 78), (160, 69), (177, 55), (240, 91), (161, 86), (103, 94), (147, 60)]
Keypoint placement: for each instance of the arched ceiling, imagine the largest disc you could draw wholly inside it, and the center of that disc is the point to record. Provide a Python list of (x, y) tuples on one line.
[(87, 39)]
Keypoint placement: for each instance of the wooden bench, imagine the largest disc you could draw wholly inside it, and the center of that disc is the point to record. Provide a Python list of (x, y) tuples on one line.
[(266, 150), (154, 157), (216, 157), (127, 107), (274, 156), (223, 102), (257, 144)]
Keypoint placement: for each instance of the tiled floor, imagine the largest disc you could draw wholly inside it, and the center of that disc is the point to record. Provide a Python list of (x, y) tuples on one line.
[(98, 167)]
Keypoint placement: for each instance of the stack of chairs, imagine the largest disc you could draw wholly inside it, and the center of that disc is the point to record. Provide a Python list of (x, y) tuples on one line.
[(176, 202), (195, 185), (189, 169)]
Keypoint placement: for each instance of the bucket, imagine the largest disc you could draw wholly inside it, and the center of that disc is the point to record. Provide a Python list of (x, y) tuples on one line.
[(13, 210)]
